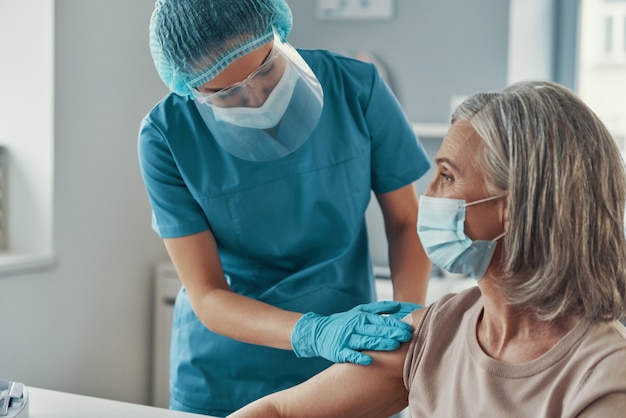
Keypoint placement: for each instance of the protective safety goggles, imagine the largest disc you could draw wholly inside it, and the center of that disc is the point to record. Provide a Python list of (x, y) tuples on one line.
[(251, 91)]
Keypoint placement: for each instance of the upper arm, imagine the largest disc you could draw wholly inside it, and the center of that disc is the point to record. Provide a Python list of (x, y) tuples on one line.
[(397, 156), (399, 207), (344, 389), (175, 212)]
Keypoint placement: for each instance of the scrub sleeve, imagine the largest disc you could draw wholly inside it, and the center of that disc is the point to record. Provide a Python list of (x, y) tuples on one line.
[(290, 232)]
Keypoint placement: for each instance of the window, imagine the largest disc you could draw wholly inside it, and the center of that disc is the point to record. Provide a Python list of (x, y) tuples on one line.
[(26, 133), (608, 34), (4, 172), (624, 34), (601, 65)]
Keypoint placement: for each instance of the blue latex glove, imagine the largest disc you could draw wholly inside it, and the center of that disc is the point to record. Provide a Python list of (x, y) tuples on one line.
[(340, 337), (405, 309)]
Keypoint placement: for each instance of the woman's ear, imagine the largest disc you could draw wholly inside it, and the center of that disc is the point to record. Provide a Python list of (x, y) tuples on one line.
[(504, 212)]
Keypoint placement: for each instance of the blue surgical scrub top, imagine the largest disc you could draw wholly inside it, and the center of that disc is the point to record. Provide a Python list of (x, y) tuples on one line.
[(290, 232)]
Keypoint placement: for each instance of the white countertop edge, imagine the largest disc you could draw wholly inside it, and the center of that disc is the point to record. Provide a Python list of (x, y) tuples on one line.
[(44, 403)]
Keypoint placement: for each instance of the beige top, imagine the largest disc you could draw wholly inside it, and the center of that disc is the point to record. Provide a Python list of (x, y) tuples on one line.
[(447, 373)]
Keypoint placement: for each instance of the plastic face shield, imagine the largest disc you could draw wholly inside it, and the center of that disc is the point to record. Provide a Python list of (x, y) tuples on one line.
[(271, 113)]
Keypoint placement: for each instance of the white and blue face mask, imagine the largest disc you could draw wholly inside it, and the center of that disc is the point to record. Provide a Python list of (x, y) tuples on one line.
[(440, 226)]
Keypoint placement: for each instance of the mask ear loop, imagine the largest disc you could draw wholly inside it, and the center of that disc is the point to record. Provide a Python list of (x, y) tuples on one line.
[(498, 237), (487, 199), (505, 222)]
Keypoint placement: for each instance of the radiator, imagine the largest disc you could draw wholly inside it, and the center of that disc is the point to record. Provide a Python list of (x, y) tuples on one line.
[(166, 288)]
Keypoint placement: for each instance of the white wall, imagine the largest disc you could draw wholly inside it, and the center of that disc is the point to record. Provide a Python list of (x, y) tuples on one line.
[(433, 51), (26, 119), (85, 326)]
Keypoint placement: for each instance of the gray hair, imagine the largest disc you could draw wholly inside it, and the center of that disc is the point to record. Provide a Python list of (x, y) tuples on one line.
[(564, 248)]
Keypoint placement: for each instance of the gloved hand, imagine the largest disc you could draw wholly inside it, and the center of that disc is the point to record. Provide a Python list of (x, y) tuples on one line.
[(405, 309), (340, 337)]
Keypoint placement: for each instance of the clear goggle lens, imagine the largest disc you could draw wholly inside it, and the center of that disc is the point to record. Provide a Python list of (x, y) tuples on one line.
[(253, 90)]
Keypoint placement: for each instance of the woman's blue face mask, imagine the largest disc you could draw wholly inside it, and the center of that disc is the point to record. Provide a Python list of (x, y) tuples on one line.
[(440, 226)]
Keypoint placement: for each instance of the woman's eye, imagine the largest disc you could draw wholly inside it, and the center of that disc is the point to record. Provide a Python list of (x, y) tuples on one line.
[(231, 92), (446, 177), (230, 97), (266, 70)]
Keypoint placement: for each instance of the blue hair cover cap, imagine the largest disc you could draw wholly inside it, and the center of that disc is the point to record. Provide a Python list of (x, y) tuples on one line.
[(192, 41)]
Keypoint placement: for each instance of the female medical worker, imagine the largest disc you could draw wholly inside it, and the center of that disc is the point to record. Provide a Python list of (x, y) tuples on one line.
[(259, 168)]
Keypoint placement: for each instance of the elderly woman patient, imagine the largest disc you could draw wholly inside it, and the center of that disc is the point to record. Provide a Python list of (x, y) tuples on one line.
[(529, 198)]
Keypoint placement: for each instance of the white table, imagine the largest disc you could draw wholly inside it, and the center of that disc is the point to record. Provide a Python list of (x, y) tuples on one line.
[(46, 403)]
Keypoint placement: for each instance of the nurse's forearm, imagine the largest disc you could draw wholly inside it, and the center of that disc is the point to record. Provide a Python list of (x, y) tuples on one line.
[(220, 309), (244, 319)]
